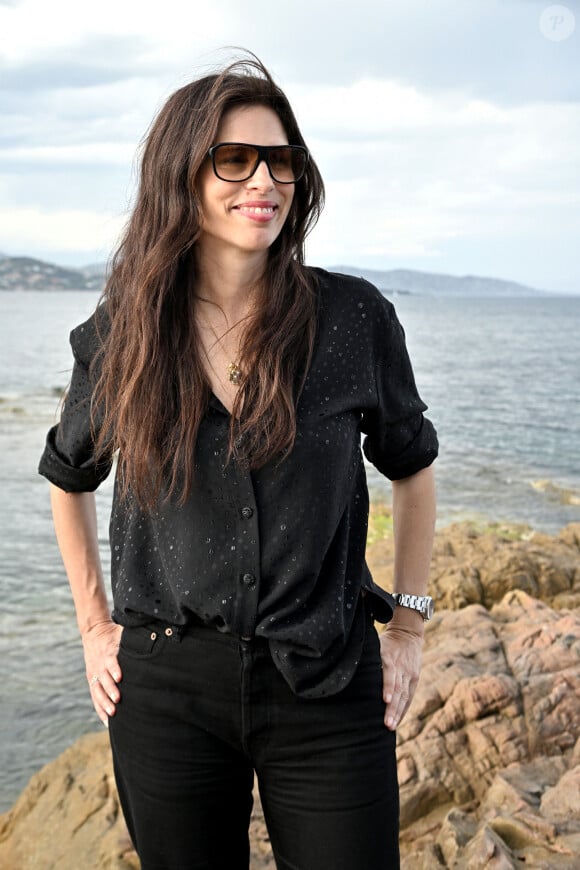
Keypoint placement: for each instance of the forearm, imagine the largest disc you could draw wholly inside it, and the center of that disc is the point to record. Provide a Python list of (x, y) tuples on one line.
[(75, 523), (401, 641), (414, 527)]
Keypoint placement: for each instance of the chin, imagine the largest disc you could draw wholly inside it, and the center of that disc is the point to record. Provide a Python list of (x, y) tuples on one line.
[(260, 244)]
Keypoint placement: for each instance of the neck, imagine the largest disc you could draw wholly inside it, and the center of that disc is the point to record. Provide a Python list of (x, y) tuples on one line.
[(230, 282)]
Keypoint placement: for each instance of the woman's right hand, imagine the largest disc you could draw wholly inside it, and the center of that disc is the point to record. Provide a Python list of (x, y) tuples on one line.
[(101, 645)]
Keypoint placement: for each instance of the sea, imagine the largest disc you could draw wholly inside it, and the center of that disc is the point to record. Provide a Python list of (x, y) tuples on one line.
[(501, 377)]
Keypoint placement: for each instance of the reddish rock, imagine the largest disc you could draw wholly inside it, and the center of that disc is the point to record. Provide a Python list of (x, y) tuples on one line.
[(488, 755), (491, 736), (479, 566)]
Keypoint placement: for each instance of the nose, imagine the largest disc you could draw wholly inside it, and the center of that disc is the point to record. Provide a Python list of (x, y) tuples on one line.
[(261, 178)]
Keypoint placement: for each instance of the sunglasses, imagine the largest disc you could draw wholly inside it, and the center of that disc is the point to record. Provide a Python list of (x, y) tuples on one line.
[(236, 161)]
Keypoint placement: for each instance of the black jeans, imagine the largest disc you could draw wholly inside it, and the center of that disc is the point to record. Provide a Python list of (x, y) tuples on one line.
[(199, 713)]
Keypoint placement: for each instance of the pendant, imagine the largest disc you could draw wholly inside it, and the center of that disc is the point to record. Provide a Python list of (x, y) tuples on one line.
[(235, 374)]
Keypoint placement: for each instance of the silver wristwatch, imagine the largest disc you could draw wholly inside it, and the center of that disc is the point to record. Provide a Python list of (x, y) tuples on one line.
[(423, 604)]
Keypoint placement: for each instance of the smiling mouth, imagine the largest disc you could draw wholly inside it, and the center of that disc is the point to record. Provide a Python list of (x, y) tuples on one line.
[(255, 209)]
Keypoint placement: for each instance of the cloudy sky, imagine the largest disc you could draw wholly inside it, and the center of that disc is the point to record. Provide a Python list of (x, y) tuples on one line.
[(448, 132)]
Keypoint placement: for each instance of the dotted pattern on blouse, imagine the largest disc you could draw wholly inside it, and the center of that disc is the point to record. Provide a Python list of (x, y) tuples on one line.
[(279, 552)]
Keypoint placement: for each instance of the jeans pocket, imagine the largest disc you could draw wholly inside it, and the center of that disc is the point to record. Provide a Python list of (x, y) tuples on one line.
[(141, 642)]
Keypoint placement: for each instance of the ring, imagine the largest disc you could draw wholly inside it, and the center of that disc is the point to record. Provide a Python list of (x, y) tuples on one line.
[(93, 680)]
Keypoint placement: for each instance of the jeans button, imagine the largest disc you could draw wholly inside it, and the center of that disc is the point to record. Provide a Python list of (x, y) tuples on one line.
[(249, 579), (247, 512)]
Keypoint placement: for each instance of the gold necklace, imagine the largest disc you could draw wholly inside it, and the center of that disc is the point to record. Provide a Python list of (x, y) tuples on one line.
[(235, 373)]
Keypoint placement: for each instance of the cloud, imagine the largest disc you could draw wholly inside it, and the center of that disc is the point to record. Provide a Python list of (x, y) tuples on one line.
[(91, 61), (371, 109), (435, 125), (434, 173), (90, 154), (485, 48), (25, 229), (34, 27), (491, 49)]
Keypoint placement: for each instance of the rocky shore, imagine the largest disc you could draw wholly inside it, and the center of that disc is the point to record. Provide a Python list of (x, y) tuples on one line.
[(489, 753)]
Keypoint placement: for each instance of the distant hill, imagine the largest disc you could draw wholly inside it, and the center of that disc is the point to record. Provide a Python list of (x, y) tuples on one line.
[(436, 284), (26, 273), (95, 269)]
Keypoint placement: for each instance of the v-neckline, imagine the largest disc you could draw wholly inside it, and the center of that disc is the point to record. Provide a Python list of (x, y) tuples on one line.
[(217, 403)]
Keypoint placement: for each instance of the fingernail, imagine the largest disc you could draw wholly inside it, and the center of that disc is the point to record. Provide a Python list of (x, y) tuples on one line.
[(390, 722), (116, 677), (389, 698), (110, 710)]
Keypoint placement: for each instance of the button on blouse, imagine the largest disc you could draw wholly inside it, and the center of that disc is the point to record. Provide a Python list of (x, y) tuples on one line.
[(279, 552)]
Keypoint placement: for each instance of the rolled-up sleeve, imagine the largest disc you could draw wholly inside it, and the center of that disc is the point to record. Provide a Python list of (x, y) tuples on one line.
[(400, 440), (68, 459)]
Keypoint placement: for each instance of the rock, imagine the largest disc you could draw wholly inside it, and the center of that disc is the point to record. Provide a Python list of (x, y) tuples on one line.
[(491, 737), (479, 566), (561, 802), (488, 754), (68, 817), (487, 851), (456, 831)]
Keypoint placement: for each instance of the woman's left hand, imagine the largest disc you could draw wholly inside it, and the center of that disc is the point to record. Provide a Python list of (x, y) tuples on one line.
[(401, 650)]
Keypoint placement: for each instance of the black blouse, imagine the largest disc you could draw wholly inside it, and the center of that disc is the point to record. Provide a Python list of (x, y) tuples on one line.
[(279, 552)]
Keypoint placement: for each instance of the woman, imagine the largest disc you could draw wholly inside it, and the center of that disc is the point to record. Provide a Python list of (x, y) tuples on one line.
[(235, 383)]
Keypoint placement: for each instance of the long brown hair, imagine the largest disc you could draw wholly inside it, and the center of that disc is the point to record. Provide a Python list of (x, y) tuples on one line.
[(152, 392)]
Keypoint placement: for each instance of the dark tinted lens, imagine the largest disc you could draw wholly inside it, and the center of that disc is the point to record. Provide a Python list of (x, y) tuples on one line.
[(235, 162), (287, 163)]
